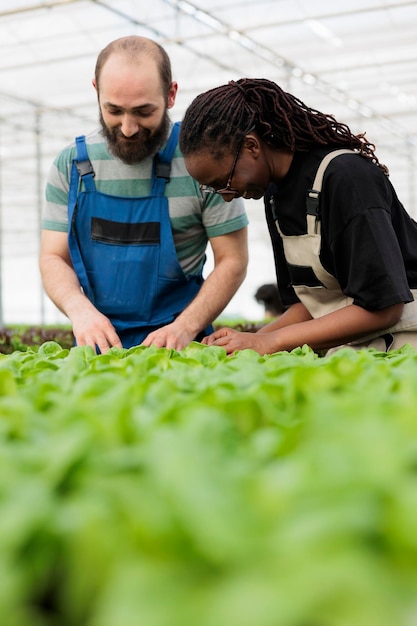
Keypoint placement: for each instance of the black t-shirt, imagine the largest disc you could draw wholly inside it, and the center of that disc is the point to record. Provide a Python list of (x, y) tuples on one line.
[(368, 240)]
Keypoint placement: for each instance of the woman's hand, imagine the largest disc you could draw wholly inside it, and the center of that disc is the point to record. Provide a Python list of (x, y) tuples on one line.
[(232, 340), (347, 324)]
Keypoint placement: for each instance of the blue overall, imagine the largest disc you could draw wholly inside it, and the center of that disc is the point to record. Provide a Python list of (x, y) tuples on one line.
[(123, 252)]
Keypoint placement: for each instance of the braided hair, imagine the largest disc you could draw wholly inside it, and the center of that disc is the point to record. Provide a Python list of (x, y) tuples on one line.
[(218, 119)]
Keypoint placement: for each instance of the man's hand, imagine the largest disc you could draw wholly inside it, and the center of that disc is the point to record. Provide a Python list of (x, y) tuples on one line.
[(172, 336), (91, 328), (230, 261)]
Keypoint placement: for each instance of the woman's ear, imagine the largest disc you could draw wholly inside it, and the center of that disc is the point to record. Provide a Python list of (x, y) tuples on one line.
[(252, 144)]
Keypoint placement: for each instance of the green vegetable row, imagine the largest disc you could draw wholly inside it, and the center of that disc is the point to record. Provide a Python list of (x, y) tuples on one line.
[(162, 488)]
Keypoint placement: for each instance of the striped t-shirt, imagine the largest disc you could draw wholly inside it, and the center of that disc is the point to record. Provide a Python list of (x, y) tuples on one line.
[(195, 217)]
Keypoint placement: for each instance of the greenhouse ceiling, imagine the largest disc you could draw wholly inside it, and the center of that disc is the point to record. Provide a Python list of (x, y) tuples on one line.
[(356, 59), (361, 53)]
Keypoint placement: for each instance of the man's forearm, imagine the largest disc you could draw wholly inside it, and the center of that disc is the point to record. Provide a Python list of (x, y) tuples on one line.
[(215, 294), (61, 284), (90, 327)]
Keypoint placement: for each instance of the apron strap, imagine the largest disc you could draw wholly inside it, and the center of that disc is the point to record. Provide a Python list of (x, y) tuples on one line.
[(313, 195)]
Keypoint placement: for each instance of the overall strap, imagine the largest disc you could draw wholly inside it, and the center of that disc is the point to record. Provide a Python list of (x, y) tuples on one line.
[(81, 168), (83, 163), (313, 194), (161, 173)]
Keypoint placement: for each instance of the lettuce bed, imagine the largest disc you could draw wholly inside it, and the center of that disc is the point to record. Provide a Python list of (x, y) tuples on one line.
[(161, 488), (22, 337)]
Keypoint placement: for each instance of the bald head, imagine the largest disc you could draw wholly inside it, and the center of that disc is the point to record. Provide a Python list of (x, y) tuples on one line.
[(137, 50)]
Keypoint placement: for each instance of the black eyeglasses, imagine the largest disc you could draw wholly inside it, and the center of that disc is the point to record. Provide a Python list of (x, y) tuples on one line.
[(228, 189)]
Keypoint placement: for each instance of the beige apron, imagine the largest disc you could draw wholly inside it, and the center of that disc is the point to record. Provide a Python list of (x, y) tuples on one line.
[(326, 297)]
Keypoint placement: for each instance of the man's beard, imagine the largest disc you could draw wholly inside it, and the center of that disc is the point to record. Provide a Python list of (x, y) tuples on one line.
[(135, 149)]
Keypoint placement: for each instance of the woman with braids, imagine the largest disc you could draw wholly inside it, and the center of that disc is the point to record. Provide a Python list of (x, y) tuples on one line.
[(345, 249)]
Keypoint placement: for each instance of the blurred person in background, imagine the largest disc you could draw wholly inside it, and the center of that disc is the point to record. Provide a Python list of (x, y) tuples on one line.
[(268, 295), (125, 228), (345, 248)]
